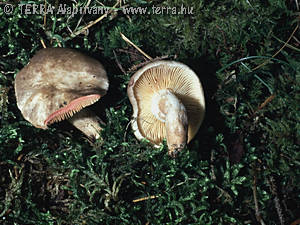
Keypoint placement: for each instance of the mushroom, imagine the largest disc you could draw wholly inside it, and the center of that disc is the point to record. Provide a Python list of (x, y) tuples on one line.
[(168, 102), (57, 84)]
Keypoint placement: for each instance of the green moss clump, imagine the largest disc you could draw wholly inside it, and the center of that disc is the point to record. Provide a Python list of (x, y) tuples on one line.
[(241, 168)]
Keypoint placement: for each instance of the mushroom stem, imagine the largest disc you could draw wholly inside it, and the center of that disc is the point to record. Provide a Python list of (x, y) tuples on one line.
[(87, 122), (169, 109)]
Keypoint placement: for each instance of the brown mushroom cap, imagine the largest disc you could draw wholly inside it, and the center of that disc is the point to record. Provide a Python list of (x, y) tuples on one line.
[(57, 83), (150, 80)]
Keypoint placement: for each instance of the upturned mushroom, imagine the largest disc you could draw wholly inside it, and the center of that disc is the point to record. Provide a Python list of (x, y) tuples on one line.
[(168, 103), (57, 84)]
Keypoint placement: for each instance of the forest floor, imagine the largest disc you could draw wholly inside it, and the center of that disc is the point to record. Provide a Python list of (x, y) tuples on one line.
[(242, 167)]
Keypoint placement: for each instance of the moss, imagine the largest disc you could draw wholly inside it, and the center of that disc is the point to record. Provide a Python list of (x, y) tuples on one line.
[(243, 161)]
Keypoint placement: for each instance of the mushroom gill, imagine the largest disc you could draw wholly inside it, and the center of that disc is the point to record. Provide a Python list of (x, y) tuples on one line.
[(159, 78), (168, 102), (72, 108)]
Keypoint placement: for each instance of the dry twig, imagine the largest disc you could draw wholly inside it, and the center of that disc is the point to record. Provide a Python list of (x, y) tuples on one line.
[(94, 22), (212, 168), (262, 105), (257, 214), (135, 67), (118, 63), (145, 198), (136, 47), (268, 60), (273, 190), (43, 43), (45, 14)]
